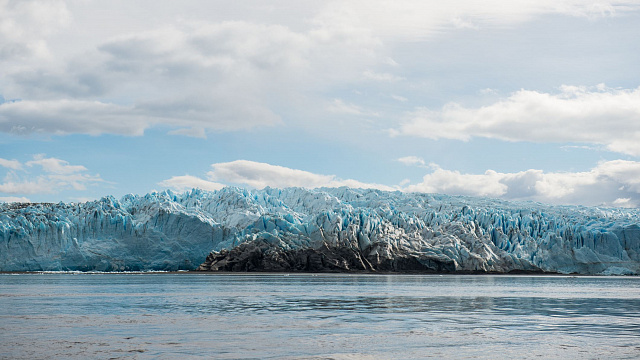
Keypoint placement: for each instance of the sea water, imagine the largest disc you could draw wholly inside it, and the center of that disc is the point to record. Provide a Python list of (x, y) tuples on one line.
[(316, 316)]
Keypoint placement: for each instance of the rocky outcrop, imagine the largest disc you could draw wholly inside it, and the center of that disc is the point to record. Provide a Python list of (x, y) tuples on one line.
[(263, 256)]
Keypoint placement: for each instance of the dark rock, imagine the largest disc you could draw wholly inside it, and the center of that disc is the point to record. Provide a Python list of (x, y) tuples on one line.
[(261, 255)]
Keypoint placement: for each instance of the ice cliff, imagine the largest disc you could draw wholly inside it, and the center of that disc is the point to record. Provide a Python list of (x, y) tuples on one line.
[(316, 230)]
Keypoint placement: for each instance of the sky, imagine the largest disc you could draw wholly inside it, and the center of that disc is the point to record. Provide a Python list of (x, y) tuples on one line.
[(521, 100)]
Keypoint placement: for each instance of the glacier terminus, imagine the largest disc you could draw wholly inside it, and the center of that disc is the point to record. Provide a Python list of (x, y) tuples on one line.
[(326, 229)]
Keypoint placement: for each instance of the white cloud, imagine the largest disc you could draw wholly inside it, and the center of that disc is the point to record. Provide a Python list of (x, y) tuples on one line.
[(611, 183), (259, 175), (488, 91), (10, 199), (385, 77), (460, 23), (15, 185), (219, 111), (399, 98), (71, 116), (24, 26), (191, 132), (389, 61), (583, 147), (198, 73), (453, 182), (193, 76), (56, 175), (187, 182), (78, 182), (623, 202), (626, 173), (412, 160), (414, 20), (56, 166), (605, 116), (340, 107), (10, 164), (94, 118)]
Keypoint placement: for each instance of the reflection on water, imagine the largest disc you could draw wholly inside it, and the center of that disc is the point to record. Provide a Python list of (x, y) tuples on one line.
[(317, 316)]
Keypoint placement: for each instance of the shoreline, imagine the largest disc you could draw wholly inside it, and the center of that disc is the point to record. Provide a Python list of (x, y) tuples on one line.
[(289, 273)]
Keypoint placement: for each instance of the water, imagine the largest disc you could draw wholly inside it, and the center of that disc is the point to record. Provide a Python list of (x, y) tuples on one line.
[(275, 316)]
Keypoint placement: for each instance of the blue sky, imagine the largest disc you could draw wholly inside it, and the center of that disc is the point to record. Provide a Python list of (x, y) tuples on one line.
[(521, 100)]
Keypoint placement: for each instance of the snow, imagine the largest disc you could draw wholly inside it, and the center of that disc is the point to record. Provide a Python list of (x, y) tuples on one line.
[(171, 231)]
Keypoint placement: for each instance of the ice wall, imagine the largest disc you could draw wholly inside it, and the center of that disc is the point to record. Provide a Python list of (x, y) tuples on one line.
[(169, 231)]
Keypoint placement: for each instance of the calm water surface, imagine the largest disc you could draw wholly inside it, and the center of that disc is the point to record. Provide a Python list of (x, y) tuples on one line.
[(277, 316)]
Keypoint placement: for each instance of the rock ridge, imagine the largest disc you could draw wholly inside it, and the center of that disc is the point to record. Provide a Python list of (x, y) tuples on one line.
[(261, 256)]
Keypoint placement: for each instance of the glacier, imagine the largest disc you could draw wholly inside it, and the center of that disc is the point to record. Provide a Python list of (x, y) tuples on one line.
[(326, 229)]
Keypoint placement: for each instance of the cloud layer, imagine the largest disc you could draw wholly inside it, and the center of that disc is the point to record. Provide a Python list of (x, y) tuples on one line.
[(413, 20), (24, 26), (611, 183), (604, 116), (196, 76), (332, 75), (192, 76), (51, 175), (259, 175)]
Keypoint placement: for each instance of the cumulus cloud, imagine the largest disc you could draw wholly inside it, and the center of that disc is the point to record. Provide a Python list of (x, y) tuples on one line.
[(187, 182), (11, 164), (610, 183), (453, 182), (605, 116), (412, 160), (55, 166), (623, 202), (13, 184), (55, 175), (11, 199), (259, 175)]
